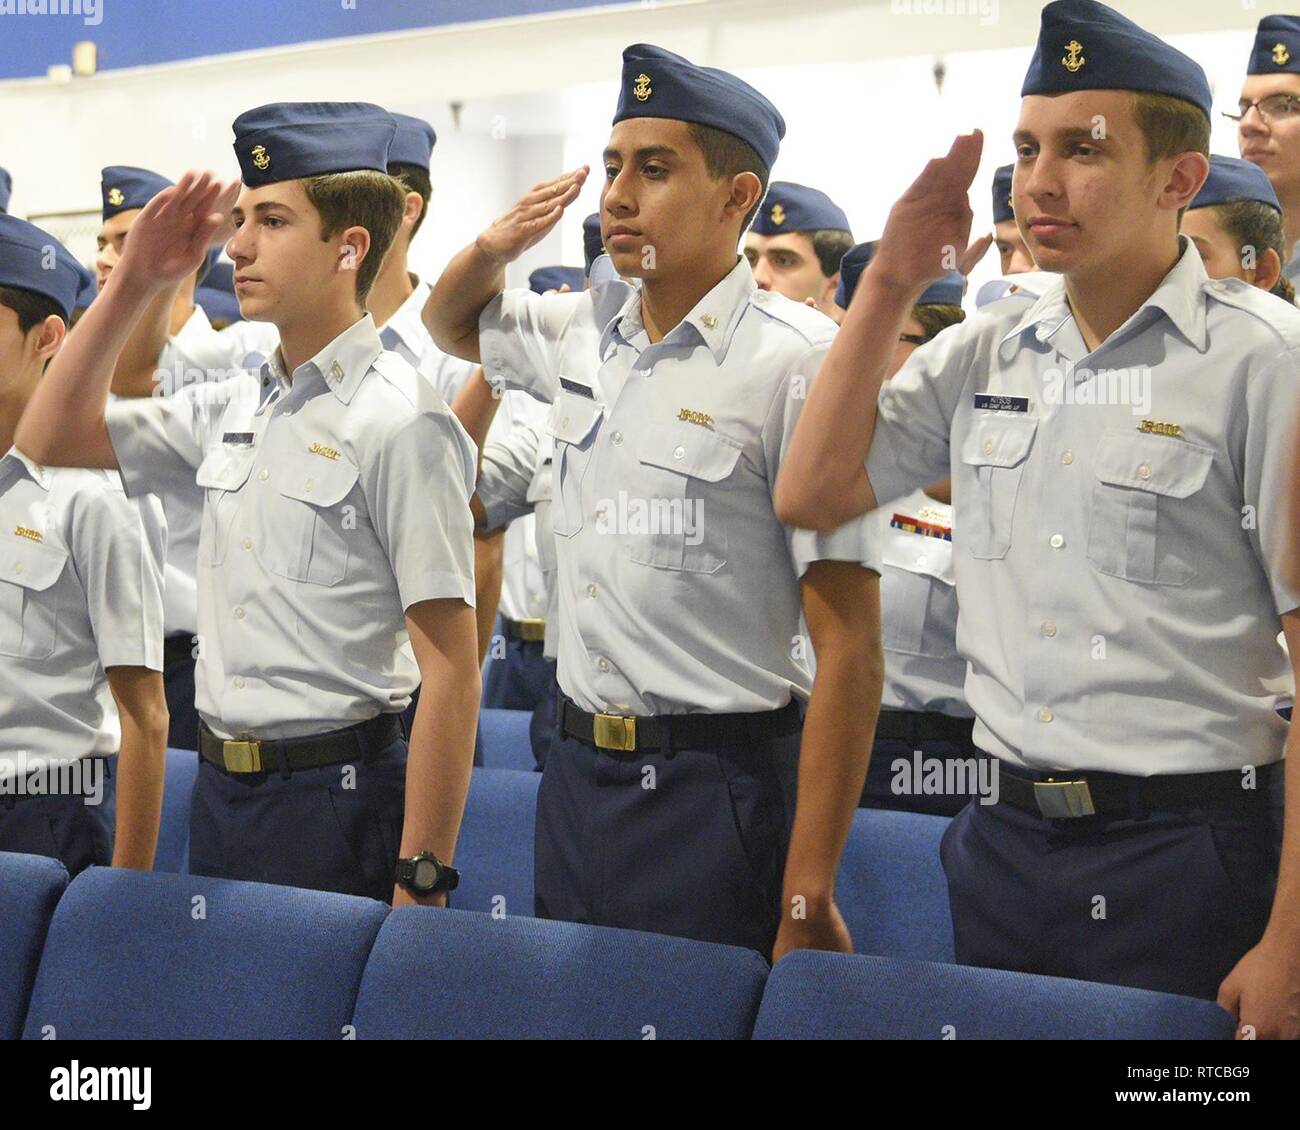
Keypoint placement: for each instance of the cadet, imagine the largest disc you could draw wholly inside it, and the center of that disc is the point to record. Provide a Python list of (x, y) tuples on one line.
[(1268, 121), (924, 759), (6, 187), (795, 245), (323, 544), (81, 611), (668, 791), (153, 362), (1119, 450), (1235, 223)]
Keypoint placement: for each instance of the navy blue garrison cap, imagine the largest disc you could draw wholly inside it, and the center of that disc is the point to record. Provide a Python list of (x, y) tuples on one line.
[(592, 245), (6, 186), (124, 187), (89, 288), (289, 140), (552, 278), (413, 143), (658, 84), (946, 291), (217, 294), (1084, 45), (1277, 47), (1234, 179), (32, 259), (1002, 210), (796, 207)]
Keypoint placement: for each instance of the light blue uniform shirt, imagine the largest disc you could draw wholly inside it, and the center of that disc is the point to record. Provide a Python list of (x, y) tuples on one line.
[(679, 588), (1120, 520)]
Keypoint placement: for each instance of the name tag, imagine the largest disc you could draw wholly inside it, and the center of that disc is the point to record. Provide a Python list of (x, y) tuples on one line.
[(1001, 403), (237, 437), (576, 388)]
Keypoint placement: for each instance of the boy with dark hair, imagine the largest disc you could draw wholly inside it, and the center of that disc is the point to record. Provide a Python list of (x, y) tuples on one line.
[(667, 799), (336, 523), (795, 245), (1118, 450), (81, 610)]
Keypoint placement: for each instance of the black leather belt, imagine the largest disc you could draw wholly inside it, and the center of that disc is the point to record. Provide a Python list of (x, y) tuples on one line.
[(263, 755), (675, 731), (1067, 796), (916, 726), (178, 647), (530, 631)]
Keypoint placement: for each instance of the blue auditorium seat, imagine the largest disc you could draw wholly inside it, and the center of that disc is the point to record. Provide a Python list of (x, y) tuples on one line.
[(30, 887), (453, 975), (506, 744), (495, 851), (173, 852), (891, 887), (129, 956), (813, 995)]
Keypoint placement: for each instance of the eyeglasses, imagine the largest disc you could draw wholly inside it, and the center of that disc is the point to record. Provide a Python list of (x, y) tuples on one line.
[(913, 339), (1274, 106)]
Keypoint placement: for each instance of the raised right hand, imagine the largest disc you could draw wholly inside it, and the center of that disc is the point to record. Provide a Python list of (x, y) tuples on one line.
[(532, 218)]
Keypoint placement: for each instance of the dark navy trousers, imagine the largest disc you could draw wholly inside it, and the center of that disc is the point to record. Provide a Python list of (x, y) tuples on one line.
[(691, 843), (1163, 900), (520, 679), (63, 827), (178, 685), (338, 828), (541, 728)]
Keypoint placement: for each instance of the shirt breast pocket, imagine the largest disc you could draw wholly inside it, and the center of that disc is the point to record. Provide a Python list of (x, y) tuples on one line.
[(994, 454), (916, 592), (309, 528), (1142, 527), (222, 475), (684, 470), (29, 603), (572, 425)]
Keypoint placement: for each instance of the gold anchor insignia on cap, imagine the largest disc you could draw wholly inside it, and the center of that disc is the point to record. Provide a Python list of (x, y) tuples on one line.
[(1073, 59), (778, 214), (28, 533), (115, 196), (1281, 56), (693, 417), (261, 158), (641, 88)]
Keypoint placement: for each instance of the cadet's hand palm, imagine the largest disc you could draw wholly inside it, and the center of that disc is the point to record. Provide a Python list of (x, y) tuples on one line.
[(532, 218), (171, 237)]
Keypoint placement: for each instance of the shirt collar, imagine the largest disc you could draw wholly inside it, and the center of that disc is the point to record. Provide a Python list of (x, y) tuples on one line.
[(712, 320), (407, 320), (1180, 297), (40, 475), (341, 365)]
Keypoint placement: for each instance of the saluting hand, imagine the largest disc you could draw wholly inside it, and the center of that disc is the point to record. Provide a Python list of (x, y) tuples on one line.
[(929, 225), (171, 237), (532, 218)]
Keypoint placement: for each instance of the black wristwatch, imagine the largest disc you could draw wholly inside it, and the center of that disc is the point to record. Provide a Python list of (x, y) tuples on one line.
[(426, 874)]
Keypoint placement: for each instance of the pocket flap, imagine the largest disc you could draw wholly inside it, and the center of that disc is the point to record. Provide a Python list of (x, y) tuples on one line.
[(914, 553), (688, 449), (573, 417), (226, 467), (1000, 439), (30, 565), (317, 479), (1159, 464)]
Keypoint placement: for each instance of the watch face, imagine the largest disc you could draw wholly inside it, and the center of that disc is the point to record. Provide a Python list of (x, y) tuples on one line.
[(426, 875)]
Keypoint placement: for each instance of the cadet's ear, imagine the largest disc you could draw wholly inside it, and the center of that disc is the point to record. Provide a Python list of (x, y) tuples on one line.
[(746, 192), (353, 247), (1185, 179), (47, 337), (412, 209), (1268, 269)]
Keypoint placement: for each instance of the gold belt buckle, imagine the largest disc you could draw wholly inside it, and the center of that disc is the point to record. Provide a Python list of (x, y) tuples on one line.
[(1063, 800), (242, 757), (612, 731), (531, 630)]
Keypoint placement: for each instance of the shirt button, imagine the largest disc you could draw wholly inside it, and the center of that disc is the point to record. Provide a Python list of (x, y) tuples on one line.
[(264, 474), (679, 452), (1144, 472), (1045, 715), (1049, 628), (248, 543), (18, 567), (564, 422), (603, 663), (922, 561), (239, 613), (988, 447), (1056, 541), (617, 438), (308, 485), (1067, 457), (239, 681), (591, 590)]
